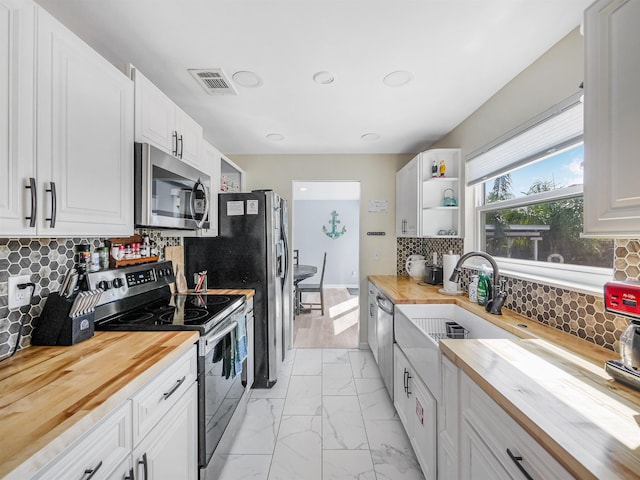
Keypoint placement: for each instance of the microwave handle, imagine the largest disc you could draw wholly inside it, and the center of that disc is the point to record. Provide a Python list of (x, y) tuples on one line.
[(193, 202)]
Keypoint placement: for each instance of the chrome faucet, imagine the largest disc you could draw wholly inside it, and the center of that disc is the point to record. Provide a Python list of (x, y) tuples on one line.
[(498, 297)]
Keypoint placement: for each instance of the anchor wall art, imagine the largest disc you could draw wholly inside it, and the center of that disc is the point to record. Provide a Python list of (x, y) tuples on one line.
[(334, 222)]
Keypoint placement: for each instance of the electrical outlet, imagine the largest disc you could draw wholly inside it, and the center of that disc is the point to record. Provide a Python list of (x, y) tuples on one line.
[(19, 296)]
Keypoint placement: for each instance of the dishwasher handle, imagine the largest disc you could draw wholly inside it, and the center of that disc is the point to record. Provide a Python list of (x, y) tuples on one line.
[(383, 304)]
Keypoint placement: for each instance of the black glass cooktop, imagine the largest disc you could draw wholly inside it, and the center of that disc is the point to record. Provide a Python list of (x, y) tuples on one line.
[(177, 312)]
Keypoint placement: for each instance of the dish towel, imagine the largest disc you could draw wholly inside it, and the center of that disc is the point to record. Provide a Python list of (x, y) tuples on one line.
[(240, 334)]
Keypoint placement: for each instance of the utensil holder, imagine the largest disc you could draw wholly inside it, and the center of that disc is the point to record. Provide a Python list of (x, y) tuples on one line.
[(56, 327)]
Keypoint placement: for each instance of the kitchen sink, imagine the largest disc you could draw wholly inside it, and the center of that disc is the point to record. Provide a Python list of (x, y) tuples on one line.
[(419, 328)]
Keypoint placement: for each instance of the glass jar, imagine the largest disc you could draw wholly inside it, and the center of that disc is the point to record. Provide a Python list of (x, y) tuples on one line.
[(103, 255)]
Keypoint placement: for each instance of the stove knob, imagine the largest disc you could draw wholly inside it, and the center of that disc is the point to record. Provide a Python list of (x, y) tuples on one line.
[(167, 271), (160, 273), (104, 285), (117, 282)]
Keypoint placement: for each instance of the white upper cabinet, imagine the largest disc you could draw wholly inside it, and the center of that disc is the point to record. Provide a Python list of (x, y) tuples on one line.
[(211, 161), (162, 123), (67, 162), (17, 154), (84, 137), (407, 207), (429, 205), (612, 119)]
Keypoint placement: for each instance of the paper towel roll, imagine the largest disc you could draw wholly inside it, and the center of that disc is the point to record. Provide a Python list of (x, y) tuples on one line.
[(448, 264)]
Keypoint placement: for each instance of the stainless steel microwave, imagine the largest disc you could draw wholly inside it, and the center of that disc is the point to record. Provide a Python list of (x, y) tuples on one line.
[(168, 192)]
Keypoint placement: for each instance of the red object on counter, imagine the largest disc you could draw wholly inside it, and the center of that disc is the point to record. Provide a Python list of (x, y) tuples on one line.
[(622, 298)]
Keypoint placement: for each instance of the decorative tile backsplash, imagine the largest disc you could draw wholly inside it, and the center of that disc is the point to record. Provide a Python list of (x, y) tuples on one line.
[(573, 312), (47, 260)]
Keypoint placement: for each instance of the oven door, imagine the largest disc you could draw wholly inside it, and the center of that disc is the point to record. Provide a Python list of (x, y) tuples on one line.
[(219, 392), (168, 192)]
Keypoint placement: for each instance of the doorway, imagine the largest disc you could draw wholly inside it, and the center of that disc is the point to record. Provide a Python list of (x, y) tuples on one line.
[(326, 219)]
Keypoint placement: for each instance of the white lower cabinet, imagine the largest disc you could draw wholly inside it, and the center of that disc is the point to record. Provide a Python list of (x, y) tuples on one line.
[(98, 453), (161, 433), (477, 460), (448, 422), (124, 471), (417, 410), (170, 451), (493, 445)]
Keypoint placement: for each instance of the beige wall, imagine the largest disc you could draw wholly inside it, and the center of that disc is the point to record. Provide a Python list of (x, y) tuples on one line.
[(376, 174), (553, 77)]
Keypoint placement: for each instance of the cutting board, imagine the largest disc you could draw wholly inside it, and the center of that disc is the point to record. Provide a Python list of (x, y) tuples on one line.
[(176, 255)]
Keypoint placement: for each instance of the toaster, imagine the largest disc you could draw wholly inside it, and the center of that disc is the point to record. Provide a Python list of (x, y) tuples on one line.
[(433, 275)]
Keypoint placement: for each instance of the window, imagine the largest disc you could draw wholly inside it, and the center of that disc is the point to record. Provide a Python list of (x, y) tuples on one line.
[(531, 197)]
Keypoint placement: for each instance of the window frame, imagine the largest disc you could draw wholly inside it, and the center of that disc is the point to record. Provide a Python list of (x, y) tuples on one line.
[(579, 278)]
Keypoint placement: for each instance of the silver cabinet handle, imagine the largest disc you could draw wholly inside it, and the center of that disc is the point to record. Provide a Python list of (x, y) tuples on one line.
[(54, 204), (130, 475), (174, 143), (173, 389), (91, 471), (181, 146), (34, 202)]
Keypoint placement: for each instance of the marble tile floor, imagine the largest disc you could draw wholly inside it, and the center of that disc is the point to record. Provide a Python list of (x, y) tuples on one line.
[(329, 417)]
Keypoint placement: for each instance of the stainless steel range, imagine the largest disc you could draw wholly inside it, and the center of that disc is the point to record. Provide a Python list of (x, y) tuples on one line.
[(139, 298)]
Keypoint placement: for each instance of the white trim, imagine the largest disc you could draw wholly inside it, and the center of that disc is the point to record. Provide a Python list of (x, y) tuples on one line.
[(549, 196), (576, 278)]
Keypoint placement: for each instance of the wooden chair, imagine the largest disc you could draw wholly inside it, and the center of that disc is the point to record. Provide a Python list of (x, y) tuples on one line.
[(313, 288)]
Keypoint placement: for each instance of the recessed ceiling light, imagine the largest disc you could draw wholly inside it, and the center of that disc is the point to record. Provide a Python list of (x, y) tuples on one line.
[(303, 189), (370, 137), (397, 78), (247, 79), (323, 78), (275, 137)]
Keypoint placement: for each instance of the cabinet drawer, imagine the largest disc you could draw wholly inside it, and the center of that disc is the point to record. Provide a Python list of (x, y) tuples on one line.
[(504, 437), (102, 450), (153, 401)]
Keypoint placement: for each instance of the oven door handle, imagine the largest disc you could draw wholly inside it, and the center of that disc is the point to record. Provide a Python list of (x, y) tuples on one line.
[(218, 336)]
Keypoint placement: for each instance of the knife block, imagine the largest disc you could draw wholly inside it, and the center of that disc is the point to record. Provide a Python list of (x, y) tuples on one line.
[(56, 327)]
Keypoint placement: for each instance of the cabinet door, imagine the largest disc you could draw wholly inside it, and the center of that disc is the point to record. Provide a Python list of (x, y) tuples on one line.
[(424, 432), (211, 165), (612, 119), (170, 451), (189, 139), (17, 94), (372, 334), (155, 115), (84, 138), (100, 452), (476, 460), (124, 471), (449, 410), (402, 387), (407, 200)]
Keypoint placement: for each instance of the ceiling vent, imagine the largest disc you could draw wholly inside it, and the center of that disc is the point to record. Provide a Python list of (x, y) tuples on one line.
[(214, 81)]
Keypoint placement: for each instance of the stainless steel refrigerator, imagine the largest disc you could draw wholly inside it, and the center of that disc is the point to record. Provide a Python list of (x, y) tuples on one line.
[(251, 251)]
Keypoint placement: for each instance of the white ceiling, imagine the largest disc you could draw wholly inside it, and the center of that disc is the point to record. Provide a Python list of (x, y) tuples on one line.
[(460, 52)]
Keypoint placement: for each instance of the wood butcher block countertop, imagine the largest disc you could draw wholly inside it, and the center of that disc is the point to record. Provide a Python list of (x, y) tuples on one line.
[(550, 382), (50, 396)]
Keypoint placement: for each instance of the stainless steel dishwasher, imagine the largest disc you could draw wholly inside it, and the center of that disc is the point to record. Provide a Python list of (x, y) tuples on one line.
[(384, 337)]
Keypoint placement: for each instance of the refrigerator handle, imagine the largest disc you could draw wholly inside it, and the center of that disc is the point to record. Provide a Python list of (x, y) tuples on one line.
[(280, 259)]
